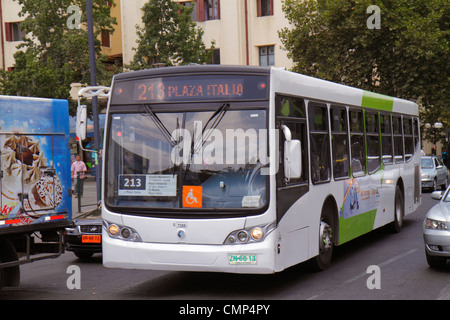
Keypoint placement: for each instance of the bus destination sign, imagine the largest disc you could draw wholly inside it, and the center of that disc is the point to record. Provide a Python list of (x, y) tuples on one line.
[(155, 89), (191, 88)]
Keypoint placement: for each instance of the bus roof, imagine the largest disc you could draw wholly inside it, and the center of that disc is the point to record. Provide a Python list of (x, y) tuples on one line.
[(283, 81), (192, 69)]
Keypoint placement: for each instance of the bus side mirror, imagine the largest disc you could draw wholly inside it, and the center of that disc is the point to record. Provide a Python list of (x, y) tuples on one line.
[(81, 122), (292, 156)]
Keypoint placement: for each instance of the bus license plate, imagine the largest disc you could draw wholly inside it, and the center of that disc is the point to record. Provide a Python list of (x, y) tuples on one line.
[(242, 258), (91, 239)]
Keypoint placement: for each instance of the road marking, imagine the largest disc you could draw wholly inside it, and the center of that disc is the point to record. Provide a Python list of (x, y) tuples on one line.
[(364, 274), (444, 294)]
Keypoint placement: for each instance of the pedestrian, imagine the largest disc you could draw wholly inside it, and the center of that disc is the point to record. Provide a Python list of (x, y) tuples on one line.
[(78, 171), (422, 153)]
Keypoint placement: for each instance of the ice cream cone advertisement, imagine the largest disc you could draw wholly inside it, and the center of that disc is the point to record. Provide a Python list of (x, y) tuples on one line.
[(34, 173)]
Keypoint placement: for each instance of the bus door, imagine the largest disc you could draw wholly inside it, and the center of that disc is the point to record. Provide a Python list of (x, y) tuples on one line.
[(291, 113)]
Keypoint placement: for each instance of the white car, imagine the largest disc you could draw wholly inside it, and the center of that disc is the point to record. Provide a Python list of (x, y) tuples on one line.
[(434, 173), (436, 230)]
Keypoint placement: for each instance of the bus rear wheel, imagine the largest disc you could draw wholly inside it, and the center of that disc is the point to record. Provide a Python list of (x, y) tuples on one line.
[(399, 211)]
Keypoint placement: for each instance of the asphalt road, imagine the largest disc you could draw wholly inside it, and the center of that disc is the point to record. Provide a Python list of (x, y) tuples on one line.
[(403, 273)]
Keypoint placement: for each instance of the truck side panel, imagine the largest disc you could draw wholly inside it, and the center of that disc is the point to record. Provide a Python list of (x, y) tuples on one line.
[(35, 164)]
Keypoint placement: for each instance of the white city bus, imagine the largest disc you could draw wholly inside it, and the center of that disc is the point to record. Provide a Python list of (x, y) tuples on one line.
[(250, 170)]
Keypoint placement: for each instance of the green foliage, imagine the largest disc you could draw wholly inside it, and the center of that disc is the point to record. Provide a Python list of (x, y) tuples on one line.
[(169, 36), (52, 55), (407, 57)]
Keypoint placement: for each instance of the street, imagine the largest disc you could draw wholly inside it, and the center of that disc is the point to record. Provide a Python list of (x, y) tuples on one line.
[(399, 261)]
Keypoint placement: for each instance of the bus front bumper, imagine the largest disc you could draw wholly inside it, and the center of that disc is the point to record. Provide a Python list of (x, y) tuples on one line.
[(249, 258)]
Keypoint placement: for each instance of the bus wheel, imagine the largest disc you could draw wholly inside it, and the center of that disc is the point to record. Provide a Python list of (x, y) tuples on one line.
[(399, 211), (326, 241)]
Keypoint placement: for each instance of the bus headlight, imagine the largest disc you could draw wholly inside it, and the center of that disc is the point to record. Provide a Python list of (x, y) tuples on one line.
[(117, 231), (242, 236), (257, 233), (113, 230), (250, 235)]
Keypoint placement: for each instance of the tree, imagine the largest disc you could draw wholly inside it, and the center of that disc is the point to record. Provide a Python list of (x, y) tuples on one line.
[(169, 36), (53, 55), (406, 57)]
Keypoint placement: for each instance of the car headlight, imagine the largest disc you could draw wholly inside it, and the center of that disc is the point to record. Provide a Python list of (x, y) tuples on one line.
[(435, 224), (117, 231), (426, 176), (249, 235)]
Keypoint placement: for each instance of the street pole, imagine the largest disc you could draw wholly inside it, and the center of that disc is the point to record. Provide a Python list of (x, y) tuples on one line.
[(91, 39)]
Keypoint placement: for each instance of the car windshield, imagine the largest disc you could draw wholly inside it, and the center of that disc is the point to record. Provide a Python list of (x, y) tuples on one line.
[(189, 160), (426, 163)]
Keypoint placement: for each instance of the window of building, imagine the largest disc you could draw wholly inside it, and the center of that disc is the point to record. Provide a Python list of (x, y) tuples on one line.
[(267, 56), (339, 140), (215, 58), (13, 31), (190, 4), (264, 7), (208, 10), (105, 38)]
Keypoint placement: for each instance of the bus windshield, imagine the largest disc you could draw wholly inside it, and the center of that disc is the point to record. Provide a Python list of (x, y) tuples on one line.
[(189, 160)]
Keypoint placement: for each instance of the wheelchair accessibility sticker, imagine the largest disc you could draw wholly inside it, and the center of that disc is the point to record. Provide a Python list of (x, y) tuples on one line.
[(192, 196)]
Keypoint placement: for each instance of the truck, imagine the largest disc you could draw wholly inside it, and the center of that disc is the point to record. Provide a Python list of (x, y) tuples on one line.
[(35, 182)]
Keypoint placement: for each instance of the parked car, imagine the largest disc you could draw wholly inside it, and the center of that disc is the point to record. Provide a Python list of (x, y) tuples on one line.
[(434, 173), (436, 230), (85, 238)]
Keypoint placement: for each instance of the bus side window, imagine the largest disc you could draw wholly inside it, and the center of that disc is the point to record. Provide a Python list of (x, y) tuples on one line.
[(409, 139), (398, 139), (416, 134), (357, 143), (298, 133), (290, 111), (386, 139), (319, 140), (339, 140), (373, 142)]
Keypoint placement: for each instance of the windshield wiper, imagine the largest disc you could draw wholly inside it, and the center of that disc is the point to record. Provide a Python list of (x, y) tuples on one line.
[(147, 111), (217, 116)]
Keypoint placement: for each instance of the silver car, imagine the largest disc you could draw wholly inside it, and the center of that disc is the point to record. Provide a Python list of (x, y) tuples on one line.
[(434, 173), (436, 230)]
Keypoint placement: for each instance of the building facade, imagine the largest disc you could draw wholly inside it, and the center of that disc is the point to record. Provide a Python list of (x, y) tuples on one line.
[(245, 32), (11, 34)]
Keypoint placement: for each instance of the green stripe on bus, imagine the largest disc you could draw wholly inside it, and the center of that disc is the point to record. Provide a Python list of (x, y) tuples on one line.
[(356, 226), (377, 101)]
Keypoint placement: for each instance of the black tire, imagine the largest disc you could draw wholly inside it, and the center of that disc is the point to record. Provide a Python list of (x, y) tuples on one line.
[(445, 184), (9, 277), (399, 211), (435, 262), (434, 187), (322, 261), (83, 255)]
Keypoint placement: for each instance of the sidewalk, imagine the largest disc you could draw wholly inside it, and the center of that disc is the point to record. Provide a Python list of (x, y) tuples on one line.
[(89, 199)]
